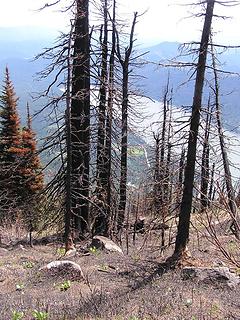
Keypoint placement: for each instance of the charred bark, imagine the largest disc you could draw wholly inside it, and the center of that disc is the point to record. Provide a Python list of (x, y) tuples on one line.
[(186, 204), (211, 187), (157, 174), (101, 219), (228, 179), (180, 176), (108, 162), (205, 170), (80, 118), (162, 167), (68, 201), (124, 61)]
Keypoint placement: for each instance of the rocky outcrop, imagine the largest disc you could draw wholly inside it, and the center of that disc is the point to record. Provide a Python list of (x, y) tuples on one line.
[(214, 275)]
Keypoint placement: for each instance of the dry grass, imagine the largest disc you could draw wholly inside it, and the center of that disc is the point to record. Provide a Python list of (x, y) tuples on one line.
[(130, 287)]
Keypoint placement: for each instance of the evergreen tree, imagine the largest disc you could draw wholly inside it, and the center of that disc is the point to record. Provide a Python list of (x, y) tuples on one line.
[(10, 144), (10, 122), (30, 177), (20, 169), (30, 167)]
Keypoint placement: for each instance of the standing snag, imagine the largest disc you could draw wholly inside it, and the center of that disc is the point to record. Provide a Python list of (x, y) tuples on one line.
[(227, 172), (124, 62), (80, 119), (186, 204)]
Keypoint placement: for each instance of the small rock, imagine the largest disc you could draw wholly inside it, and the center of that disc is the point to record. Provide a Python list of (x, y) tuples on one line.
[(188, 302), (71, 252), (64, 267), (101, 242), (20, 247), (212, 275), (3, 251)]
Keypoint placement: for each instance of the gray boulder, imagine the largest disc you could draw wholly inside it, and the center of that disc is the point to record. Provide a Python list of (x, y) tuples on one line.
[(101, 242), (214, 275)]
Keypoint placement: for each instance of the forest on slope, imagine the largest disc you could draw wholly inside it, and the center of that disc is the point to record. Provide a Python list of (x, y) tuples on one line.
[(118, 196)]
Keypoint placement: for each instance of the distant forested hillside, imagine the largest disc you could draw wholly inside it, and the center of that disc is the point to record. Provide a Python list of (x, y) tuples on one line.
[(156, 78), (20, 45)]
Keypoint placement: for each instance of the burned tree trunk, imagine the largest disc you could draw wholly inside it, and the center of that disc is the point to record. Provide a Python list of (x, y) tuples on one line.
[(162, 165), (68, 185), (168, 174), (108, 162), (180, 177), (80, 119), (211, 187), (124, 141), (101, 219), (186, 204), (228, 179), (157, 186), (205, 162), (124, 61)]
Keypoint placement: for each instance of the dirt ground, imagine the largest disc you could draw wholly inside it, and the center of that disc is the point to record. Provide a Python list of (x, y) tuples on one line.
[(115, 286)]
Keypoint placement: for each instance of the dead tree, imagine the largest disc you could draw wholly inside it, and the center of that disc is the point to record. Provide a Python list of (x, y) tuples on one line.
[(162, 159), (68, 217), (167, 183), (109, 119), (180, 177), (205, 162), (186, 204), (167, 173), (56, 147), (101, 219), (124, 62), (227, 172), (162, 167), (156, 176), (70, 187), (211, 186), (80, 119)]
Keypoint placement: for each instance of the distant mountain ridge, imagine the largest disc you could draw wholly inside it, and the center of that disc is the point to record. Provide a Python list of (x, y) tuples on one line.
[(155, 79), (20, 45)]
